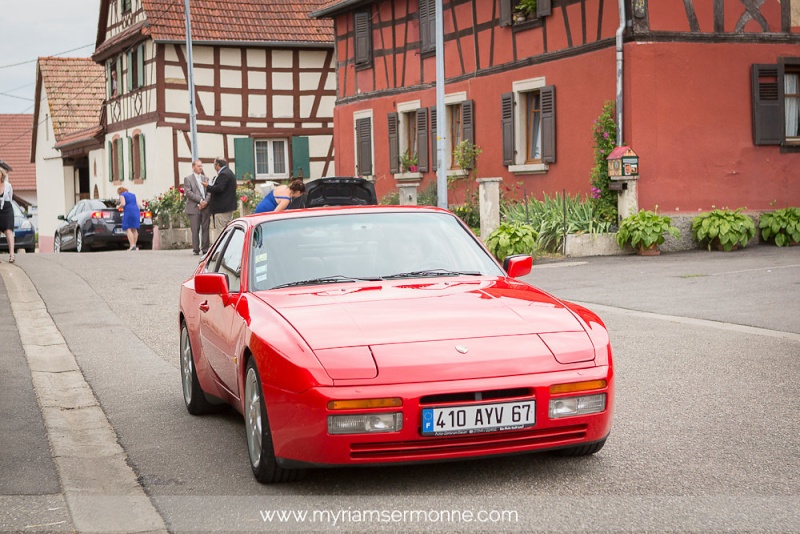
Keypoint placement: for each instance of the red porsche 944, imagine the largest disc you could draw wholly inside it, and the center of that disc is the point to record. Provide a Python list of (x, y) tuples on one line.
[(386, 334)]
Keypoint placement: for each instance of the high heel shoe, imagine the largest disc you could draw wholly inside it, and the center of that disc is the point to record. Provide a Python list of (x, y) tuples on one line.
[(12, 258)]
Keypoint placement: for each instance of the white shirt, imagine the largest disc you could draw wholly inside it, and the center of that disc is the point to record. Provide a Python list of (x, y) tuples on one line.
[(8, 194)]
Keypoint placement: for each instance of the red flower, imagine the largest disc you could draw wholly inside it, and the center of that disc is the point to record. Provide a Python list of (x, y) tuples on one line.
[(244, 198), (181, 190)]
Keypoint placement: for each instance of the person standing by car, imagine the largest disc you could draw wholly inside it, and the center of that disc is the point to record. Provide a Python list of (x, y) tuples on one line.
[(279, 198), (130, 216), (6, 209), (223, 194), (194, 188)]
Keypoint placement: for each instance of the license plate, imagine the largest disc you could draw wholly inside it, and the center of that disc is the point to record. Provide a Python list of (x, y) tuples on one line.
[(119, 230), (477, 418)]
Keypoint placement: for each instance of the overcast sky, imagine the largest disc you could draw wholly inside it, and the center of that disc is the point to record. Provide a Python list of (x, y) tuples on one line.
[(33, 28)]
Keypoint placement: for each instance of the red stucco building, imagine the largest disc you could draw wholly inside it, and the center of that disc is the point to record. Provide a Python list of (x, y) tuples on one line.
[(710, 93)]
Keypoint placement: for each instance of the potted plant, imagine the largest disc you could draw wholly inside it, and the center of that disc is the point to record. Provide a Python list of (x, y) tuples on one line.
[(725, 229), (524, 10), (782, 226), (645, 231), (511, 238), (408, 161)]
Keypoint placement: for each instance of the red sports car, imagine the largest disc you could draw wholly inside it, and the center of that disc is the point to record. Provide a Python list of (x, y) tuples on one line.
[(386, 334)]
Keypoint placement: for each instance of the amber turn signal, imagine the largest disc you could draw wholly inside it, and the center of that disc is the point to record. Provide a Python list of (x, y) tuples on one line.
[(364, 403), (578, 386)]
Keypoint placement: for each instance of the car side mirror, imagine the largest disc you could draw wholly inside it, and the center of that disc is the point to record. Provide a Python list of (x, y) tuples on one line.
[(62, 218), (211, 284), (518, 265)]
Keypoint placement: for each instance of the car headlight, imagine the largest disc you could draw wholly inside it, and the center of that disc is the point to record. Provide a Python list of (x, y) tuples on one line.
[(367, 423), (26, 225), (569, 406)]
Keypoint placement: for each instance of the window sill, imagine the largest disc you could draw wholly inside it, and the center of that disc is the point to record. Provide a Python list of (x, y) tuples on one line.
[(529, 168), (526, 25), (408, 176), (457, 173)]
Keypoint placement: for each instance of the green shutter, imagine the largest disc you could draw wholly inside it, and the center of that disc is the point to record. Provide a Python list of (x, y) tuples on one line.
[(120, 160), (129, 81), (142, 159), (140, 66), (118, 65), (301, 163), (244, 153), (110, 162), (130, 159)]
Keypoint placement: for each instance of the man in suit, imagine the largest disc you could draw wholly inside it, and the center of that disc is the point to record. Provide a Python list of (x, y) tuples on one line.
[(194, 189), (223, 194)]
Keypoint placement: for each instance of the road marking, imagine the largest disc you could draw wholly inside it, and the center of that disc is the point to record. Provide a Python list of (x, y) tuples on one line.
[(732, 327), (100, 488)]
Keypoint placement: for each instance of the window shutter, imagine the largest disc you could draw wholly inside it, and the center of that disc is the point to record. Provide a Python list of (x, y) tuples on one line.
[(109, 68), (468, 121), (767, 112), (120, 160), (110, 161), (140, 66), (505, 13), (544, 8), (129, 81), (120, 79), (301, 157), (427, 25), (422, 139), (142, 159), (548, 95), (364, 140), (394, 144), (434, 142), (244, 155), (507, 119), (363, 41), (130, 158)]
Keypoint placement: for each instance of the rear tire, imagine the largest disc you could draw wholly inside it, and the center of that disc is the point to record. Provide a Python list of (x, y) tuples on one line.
[(57, 244), (80, 246), (581, 450), (259, 437), (193, 394)]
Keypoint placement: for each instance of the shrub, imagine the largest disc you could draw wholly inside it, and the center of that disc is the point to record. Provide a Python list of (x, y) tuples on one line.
[(604, 133), (644, 229), (511, 238), (727, 228), (783, 226), (168, 207)]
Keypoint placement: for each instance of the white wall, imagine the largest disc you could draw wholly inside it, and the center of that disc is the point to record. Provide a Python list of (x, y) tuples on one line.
[(51, 184)]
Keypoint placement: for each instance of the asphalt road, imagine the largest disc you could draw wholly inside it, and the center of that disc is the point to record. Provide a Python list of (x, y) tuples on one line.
[(706, 433)]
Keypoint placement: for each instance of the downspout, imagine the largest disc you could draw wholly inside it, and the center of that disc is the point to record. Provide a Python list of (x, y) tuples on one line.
[(620, 29)]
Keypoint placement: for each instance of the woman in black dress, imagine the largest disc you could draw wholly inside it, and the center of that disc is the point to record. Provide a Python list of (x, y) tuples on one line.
[(7, 211)]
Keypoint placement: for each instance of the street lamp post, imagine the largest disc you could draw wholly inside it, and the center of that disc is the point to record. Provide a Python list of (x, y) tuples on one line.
[(441, 130), (192, 106)]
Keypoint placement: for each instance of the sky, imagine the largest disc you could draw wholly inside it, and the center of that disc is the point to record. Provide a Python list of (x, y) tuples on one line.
[(33, 28)]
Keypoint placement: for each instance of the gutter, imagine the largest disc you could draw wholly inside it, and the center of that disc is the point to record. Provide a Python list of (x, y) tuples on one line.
[(620, 91), (250, 44), (338, 6)]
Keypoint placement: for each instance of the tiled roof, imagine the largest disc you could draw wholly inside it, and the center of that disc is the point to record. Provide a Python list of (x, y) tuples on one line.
[(239, 20), (15, 149), (328, 7), (76, 88)]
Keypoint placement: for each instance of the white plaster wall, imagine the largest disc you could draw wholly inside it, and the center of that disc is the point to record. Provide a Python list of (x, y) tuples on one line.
[(282, 81), (257, 105), (257, 80), (230, 56), (318, 146), (176, 101), (231, 105), (282, 106), (50, 183), (282, 59), (312, 59), (256, 57)]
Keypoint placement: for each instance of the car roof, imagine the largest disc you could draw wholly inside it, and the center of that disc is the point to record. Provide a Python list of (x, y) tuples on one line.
[(255, 219)]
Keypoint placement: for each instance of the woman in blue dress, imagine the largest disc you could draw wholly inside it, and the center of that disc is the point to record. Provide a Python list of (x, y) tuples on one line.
[(130, 216), (280, 197)]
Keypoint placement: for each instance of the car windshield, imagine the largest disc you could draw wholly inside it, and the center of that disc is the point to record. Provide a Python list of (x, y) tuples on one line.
[(17, 210), (346, 247)]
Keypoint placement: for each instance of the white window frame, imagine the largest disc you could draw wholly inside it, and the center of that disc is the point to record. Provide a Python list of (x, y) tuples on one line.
[(364, 114), (449, 102), (519, 88), (404, 111), (271, 174)]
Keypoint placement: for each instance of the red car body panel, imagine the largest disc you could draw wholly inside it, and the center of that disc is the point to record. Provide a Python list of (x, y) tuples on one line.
[(397, 338)]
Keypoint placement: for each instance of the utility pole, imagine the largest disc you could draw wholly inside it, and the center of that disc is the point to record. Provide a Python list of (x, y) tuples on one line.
[(192, 105), (441, 113)]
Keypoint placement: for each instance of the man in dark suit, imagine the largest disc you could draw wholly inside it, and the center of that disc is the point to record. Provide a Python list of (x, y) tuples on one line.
[(194, 189), (223, 194)]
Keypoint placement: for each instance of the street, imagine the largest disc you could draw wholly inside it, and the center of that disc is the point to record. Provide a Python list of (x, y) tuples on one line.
[(705, 439)]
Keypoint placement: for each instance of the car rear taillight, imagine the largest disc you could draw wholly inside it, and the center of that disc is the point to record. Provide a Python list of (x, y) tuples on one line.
[(100, 215), (147, 214)]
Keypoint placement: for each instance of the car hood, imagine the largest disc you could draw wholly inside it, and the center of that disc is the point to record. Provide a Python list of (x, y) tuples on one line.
[(408, 324)]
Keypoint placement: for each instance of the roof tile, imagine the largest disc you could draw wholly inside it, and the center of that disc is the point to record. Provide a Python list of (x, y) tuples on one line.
[(75, 91), (15, 149)]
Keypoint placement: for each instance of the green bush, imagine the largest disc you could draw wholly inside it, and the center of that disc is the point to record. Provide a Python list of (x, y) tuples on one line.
[(644, 229), (783, 226), (511, 238), (727, 228), (604, 134)]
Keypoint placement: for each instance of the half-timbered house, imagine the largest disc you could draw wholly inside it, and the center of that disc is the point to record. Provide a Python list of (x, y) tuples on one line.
[(709, 93)]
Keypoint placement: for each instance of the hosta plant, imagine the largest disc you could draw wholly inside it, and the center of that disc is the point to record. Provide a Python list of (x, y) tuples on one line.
[(725, 228), (511, 238), (645, 229), (783, 226)]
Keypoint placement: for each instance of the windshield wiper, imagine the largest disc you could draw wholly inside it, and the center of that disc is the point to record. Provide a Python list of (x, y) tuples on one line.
[(432, 272), (326, 280)]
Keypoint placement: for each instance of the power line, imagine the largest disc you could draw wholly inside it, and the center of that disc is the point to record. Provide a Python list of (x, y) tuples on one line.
[(15, 96), (37, 59)]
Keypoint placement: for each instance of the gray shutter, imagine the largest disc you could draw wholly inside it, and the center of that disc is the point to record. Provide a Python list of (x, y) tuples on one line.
[(364, 139), (507, 119), (140, 66), (363, 43), (767, 109), (505, 13), (548, 95), (434, 142), (468, 121), (427, 25), (394, 144), (544, 8), (422, 139)]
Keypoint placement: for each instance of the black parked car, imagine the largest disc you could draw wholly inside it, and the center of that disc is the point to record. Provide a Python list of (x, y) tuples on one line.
[(97, 223), (336, 191), (24, 232)]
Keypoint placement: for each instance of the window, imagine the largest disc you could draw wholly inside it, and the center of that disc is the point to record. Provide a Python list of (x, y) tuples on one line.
[(113, 77), (427, 25), (231, 263), (408, 137), (136, 67), (776, 103), (115, 161), (272, 156), (138, 157), (528, 126), (460, 125), (126, 6), (363, 39), (522, 11), (363, 126)]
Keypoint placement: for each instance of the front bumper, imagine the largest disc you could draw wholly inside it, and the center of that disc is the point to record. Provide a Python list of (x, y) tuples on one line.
[(26, 240), (300, 435)]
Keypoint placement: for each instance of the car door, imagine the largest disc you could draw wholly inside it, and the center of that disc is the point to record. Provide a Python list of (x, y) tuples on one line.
[(221, 327)]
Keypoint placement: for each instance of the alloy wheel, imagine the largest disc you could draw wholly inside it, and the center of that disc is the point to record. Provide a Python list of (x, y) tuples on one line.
[(252, 416), (187, 365)]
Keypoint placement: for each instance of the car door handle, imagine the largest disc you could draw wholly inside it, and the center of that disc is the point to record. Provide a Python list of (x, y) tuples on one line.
[(204, 306)]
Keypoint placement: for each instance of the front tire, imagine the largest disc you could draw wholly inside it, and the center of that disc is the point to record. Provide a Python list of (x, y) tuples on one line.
[(57, 244), (193, 395), (259, 437), (80, 246)]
